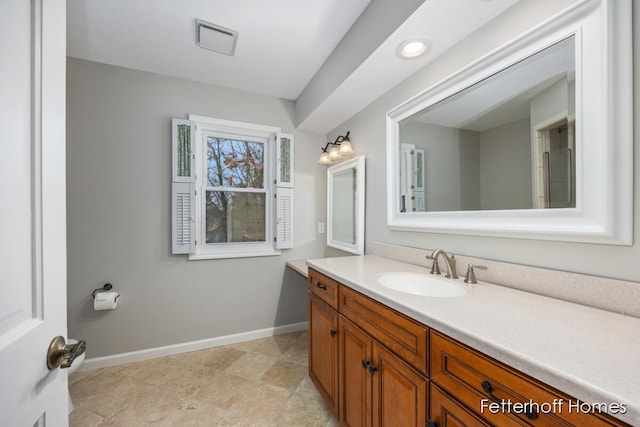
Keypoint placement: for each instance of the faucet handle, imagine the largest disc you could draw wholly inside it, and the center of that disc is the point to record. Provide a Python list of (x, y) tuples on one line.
[(470, 277), (435, 268)]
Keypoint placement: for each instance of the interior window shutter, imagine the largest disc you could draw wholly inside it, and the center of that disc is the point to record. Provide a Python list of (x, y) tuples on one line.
[(182, 187), (418, 180), (284, 191), (284, 218), (418, 168)]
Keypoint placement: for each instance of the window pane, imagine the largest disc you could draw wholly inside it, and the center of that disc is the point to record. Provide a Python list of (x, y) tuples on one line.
[(285, 159), (235, 163), (184, 150), (235, 217)]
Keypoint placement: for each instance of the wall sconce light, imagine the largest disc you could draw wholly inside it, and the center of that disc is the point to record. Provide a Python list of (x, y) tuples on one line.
[(340, 148)]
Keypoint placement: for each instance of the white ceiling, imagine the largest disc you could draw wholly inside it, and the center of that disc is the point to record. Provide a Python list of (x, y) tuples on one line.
[(281, 46), (444, 22)]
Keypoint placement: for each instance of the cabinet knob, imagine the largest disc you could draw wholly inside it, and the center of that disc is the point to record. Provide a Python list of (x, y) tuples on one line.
[(372, 370), (365, 363), (431, 423), (321, 286), (334, 333)]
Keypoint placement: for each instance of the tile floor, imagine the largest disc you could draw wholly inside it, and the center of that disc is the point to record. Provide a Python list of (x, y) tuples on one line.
[(256, 383)]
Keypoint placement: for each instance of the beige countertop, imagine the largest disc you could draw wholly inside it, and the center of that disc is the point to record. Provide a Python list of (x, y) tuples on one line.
[(588, 353), (299, 266)]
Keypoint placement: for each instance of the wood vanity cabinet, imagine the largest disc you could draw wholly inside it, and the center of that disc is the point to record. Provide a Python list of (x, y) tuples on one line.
[(382, 360), (403, 336), (376, 387), (473, 378), (323, 340), (377, 367)]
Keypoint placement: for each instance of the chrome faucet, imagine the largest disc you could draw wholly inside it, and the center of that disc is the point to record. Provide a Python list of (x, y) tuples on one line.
[(451, 263), (470, 277)]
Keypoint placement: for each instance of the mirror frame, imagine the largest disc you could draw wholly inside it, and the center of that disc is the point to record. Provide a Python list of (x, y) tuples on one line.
[(604, 134), (358, 164)]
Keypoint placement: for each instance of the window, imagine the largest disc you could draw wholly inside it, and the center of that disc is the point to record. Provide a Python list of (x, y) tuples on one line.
[(233, 191)]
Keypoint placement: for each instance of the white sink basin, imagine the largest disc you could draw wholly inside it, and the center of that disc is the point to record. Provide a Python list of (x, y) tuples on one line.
[(421, 284)]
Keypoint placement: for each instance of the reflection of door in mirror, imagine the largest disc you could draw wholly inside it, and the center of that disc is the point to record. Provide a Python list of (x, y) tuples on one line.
[(412, 179), (554, 154)]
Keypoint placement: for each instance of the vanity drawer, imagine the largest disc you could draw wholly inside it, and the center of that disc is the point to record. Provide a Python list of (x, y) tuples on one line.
[(324, 288), (445, 411), (474, 378), (405, 337)]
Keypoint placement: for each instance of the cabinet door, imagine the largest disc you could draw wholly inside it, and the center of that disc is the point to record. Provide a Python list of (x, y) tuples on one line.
[(446, 412), (355, 378), (399, 392), (323, 350)]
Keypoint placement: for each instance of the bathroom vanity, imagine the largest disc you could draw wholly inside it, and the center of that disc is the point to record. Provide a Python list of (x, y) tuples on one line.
[(494, 356)]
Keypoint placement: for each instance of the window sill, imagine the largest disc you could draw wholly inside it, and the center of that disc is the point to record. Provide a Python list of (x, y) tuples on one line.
[(233, 254)]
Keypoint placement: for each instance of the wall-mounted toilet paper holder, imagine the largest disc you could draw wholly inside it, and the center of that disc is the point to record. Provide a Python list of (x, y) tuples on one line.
[(106, 287)]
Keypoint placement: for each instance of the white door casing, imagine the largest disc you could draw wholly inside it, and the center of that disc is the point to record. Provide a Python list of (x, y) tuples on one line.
[(32, 218)]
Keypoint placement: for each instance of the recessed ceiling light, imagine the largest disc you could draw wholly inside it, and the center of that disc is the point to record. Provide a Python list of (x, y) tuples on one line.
[(413, 48)]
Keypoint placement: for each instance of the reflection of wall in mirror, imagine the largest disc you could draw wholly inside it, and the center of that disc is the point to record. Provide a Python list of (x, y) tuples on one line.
[(467, 170), (491, 169), (505, 164), (344, 206)]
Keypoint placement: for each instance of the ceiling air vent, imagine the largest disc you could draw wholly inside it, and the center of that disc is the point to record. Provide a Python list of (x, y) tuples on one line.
[(216, 38)]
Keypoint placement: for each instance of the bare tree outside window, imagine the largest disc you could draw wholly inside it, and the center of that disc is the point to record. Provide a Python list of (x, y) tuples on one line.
[(235, 195)]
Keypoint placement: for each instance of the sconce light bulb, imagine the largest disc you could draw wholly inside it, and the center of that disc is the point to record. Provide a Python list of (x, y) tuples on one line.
[(324, 159), (346, 149), (334, 153)]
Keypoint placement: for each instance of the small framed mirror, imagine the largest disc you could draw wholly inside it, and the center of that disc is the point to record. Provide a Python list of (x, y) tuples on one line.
[(345, 205)]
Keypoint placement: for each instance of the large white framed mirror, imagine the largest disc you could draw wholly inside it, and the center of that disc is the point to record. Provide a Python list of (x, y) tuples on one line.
[(534, 140), (345, 205)]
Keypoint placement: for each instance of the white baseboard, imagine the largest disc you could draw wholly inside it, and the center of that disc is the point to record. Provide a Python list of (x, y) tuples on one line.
[(151, 353)]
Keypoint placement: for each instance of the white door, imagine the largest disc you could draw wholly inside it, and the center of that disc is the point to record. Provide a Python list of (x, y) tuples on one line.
[(32, 210)]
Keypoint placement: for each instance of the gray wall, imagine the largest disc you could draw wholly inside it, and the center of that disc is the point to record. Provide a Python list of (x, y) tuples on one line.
[(368, 138), (118, 192)]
